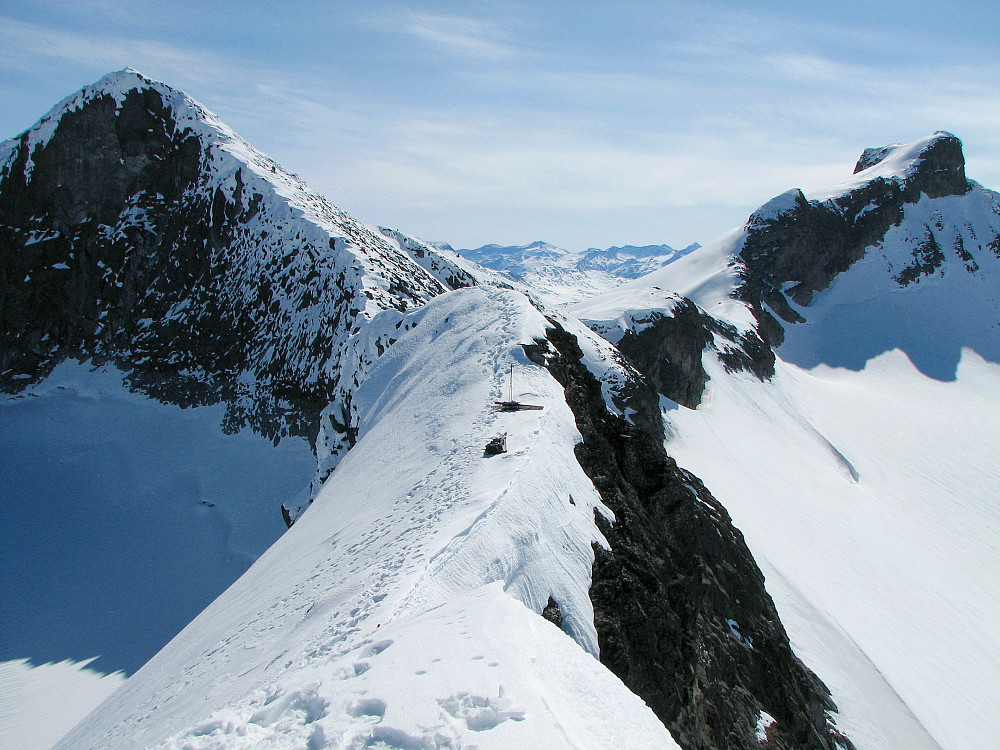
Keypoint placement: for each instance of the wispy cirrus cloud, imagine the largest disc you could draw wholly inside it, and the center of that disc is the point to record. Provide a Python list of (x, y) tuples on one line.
[(470, 37), (22, 44), (461, 34)]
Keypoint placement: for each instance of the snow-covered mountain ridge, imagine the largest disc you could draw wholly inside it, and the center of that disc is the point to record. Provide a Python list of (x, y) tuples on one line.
[(403, 608), (353, 628), (139, 229), (863, 467), (739, 294), (148, 232)]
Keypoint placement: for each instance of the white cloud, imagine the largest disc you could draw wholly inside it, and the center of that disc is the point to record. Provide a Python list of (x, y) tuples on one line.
[(461, 34), (21, 45), (458, 115)]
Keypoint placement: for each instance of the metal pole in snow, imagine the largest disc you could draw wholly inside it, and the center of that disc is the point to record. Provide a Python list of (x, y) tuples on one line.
[(511, 399)]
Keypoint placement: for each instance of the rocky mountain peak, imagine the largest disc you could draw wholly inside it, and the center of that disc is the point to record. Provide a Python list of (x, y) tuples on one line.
[(136, 226), (935, 164), (796, 244)]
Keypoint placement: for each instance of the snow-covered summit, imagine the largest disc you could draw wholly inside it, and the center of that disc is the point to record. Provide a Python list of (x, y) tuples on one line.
[(910, 204), (147, 230), (939, 152), (227, 153)]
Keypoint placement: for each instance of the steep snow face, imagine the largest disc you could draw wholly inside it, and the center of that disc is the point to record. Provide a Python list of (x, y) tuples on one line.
[(868, 498), (864, 473), (665, 321), (563, 276), (615, 313), (403, 606)]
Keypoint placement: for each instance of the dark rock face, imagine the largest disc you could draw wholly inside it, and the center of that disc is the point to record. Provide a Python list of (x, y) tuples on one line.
[(124, 239), (63, 280), (552, 613), (668, 352), (126, 236), (799, 251), (680, 607)]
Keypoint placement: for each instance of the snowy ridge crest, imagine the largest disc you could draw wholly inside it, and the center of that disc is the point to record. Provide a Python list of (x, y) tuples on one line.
[(418, 547)]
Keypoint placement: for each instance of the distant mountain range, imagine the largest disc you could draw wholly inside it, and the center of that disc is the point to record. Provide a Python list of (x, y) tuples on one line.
[(565, 276)]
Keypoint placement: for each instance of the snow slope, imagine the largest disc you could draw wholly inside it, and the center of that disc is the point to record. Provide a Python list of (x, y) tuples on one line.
[(864, 474), (869, 500), (934, 316), (402, 608), (123, 517)]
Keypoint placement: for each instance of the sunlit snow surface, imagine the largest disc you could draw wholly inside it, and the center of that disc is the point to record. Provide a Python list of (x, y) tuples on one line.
[(866, 478), (403, 607), (890, 575)]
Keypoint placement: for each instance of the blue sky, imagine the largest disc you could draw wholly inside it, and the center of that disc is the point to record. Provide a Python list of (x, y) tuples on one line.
[(583, 124)]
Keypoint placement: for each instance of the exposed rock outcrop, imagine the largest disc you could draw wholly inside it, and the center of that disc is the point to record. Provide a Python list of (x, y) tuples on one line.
[(552, 613), (668, 350), (135, 227), (679, 603), (796, 247)]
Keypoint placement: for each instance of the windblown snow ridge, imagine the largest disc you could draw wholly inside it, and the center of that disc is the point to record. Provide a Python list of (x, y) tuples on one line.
[(404, 606)]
